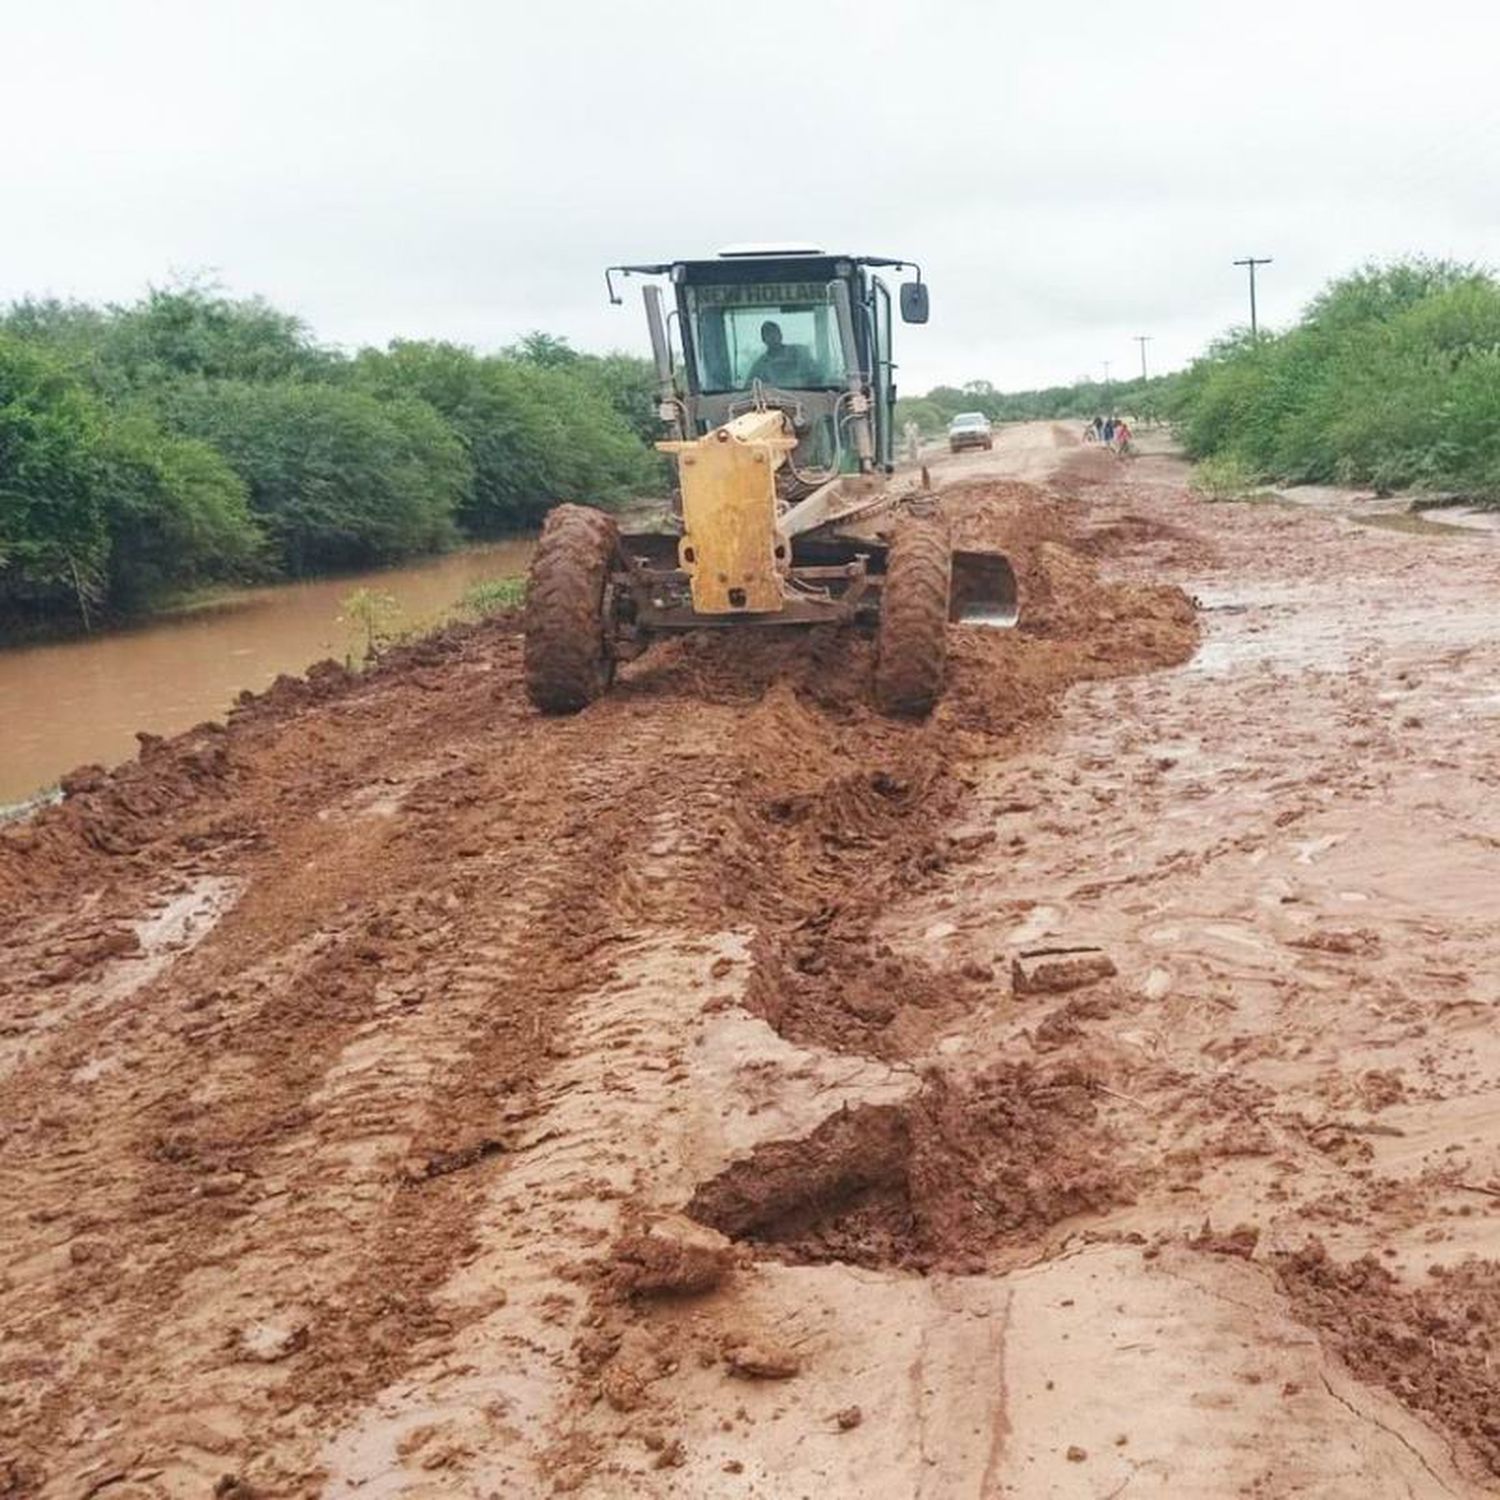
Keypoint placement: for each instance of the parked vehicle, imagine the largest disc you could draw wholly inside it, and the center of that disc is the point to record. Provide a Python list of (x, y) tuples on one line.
[(970, 429)]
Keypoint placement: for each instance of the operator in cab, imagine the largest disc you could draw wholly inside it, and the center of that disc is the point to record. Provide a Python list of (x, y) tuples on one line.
[(781, 363)]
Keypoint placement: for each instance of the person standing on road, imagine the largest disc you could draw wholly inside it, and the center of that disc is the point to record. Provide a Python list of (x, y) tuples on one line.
[(1107, 432), (1122, 437)]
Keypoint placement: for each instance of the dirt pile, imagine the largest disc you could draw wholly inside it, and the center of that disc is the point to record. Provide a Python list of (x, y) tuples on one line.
[(936, 1182)]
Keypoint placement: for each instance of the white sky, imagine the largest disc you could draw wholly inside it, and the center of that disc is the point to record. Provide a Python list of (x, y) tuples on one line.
[(1068, 175)]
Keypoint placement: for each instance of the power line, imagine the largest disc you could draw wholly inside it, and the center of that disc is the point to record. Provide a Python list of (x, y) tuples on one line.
[(1143, 339), (1252, 261)]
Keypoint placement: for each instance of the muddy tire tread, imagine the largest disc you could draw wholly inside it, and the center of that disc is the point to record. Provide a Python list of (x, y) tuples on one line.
[(567, 658), (911, 651)]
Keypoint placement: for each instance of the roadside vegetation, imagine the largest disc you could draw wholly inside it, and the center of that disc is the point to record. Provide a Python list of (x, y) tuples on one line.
[(1391, 378), (192, 439)]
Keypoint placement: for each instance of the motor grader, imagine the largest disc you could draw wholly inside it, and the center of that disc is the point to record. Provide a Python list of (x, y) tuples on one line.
[(778, 397)]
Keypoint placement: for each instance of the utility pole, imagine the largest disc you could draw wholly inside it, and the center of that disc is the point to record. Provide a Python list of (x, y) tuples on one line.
[(1143, 339), (1108, 388), (1252, 261)]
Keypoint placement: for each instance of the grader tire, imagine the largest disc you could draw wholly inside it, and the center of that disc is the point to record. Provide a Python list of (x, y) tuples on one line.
[(568, 658), (911, 647)]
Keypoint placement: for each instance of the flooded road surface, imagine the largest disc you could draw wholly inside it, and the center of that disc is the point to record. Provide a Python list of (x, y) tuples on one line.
[(64, 704)]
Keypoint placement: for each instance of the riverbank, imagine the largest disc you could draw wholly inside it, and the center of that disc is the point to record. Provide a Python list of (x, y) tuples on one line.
[(82, 699)]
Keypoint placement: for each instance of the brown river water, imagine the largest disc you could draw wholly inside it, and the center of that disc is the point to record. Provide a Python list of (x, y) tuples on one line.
[(63, 704)]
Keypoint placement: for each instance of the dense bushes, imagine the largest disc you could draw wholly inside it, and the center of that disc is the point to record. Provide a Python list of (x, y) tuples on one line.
[(192, 437), (336, 478), (534, 429), (1391, 378), (99, 507)]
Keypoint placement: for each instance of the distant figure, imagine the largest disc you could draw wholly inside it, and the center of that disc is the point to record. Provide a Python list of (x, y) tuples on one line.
[(1122, 437), (1093, 430), (781, 363), (913, 436), (1107, 432)]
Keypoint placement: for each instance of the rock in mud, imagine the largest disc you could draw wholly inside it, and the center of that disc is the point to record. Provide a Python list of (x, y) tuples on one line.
[(623, 1388), (672, 1260), (762, 1361), (1049, 971)]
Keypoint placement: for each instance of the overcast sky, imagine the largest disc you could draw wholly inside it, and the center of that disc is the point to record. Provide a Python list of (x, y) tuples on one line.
[(1068, 175)]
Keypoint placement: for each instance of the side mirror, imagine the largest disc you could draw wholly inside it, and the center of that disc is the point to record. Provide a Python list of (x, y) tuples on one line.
[(913, 302)]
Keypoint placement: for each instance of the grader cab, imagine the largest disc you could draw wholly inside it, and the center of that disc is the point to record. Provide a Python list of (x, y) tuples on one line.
[(777, 398)]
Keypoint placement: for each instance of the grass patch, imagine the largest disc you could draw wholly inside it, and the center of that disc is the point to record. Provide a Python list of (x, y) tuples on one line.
[(1225, 477), (493, 595)]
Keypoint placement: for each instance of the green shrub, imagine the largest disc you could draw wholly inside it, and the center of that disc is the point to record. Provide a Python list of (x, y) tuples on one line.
[(100, 507), (1224, 478), (371, 616), (54, 530), (494, 594)]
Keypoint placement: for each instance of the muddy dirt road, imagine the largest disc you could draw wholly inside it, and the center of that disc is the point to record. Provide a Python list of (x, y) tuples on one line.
[(405, 1095)]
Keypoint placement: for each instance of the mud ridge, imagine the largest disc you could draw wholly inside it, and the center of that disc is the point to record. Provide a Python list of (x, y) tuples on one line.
[(934, 1183)]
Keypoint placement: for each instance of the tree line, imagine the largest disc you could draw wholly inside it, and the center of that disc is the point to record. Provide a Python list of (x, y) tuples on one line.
[(191, 438), (1146, 400), (1390, 378)]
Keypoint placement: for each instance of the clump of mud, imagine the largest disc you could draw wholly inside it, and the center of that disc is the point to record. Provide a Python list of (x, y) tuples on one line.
[(1145, 537), (933, 1183), (668, 1265), (828, 984), (1433, 1346), (828, 666)]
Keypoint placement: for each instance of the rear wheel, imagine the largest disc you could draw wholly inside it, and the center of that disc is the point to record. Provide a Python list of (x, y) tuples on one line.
[(568, 658), (911, 648)]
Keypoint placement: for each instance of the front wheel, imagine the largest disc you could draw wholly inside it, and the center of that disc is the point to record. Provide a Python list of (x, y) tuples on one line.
[(911, 646), (568, 658)]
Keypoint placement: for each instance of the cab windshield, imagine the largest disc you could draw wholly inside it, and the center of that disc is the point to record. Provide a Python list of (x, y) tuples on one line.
[(784, 334)]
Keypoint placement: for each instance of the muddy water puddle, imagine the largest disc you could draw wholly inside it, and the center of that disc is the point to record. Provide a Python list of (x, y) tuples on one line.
[(1313, 630), (67, 703)]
